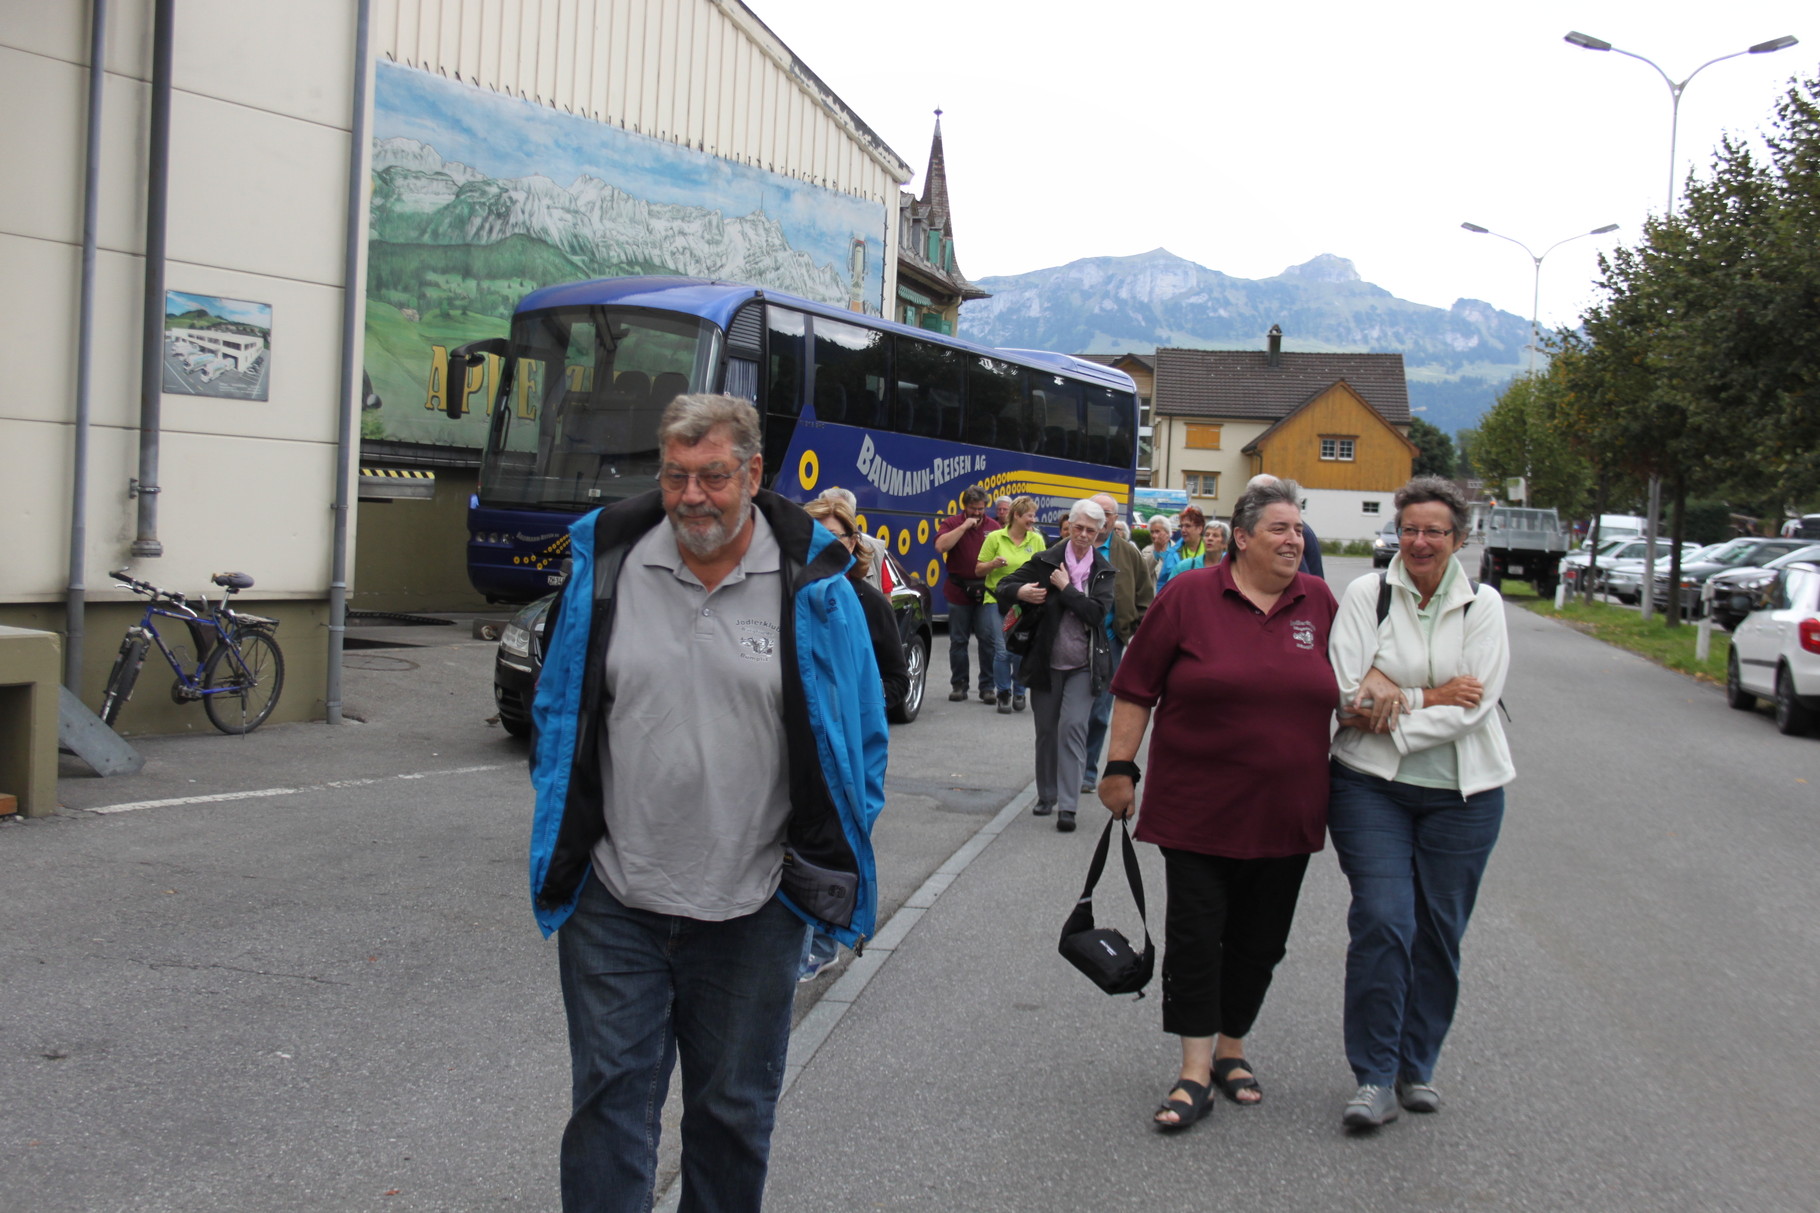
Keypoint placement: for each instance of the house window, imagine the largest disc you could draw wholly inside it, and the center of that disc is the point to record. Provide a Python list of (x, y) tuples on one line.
[(1201, 484), (1371, 507), (1203, 438), (1337, 448)]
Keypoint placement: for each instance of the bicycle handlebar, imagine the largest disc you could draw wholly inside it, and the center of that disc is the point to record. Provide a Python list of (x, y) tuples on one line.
[(148, 589)]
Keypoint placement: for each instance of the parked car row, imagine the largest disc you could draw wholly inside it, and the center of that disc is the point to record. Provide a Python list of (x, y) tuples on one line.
[(1737, 553), (520, 655)]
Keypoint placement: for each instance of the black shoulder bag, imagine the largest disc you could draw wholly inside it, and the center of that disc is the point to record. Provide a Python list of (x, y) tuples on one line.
[(1103, 954)]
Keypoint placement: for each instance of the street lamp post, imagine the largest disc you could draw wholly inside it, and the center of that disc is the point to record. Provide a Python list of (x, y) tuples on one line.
[(1535, 305), (1588, 42)]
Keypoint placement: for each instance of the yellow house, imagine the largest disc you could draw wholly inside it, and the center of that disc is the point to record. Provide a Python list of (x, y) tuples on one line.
[(1337, 424)]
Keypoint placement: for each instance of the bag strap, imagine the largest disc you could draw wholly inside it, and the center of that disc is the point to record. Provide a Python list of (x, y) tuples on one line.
[(1083, 909)]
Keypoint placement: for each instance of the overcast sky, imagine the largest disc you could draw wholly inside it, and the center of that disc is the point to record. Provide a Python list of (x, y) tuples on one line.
[(1253, 136)]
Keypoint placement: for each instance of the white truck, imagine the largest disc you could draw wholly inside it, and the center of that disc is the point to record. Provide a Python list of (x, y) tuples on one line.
[(1521, 543)]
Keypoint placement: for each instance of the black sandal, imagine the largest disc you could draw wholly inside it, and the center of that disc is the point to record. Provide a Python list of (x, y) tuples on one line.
[(1188, 1110), (1230, 1086)]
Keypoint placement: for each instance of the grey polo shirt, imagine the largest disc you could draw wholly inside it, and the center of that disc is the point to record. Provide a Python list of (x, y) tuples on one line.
[(694, 774)]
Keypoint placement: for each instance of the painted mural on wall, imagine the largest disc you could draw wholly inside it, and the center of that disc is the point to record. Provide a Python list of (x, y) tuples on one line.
[(217, 347), (470, 211)]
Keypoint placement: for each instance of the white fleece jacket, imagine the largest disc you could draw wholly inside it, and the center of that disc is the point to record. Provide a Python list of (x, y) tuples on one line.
[(1465, 642)]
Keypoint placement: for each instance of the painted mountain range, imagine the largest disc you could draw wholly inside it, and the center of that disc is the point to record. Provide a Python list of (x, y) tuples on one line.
[(421, 199), (1457, 358)]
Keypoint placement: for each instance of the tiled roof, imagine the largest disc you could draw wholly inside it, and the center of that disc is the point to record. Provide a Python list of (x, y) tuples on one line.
[(1240, 384)]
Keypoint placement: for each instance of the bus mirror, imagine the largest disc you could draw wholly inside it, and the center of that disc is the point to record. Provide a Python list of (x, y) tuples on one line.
[(455, 384), (461, 361)]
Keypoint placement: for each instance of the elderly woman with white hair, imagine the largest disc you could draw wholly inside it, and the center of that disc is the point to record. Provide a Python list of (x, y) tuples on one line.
[(1070, 657)]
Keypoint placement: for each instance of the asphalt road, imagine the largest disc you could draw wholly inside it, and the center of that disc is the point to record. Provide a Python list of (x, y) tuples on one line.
[(331, 995)]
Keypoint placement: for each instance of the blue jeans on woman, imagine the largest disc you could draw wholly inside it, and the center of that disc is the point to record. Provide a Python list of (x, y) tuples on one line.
[(1414, 856), (1006, 665), (640, 987)]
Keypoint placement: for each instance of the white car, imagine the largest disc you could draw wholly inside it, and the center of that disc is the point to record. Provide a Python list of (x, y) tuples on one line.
[(1776, 650)]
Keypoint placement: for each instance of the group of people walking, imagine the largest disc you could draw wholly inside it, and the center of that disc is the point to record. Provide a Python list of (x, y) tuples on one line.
[(692, 853), (1283, 716)]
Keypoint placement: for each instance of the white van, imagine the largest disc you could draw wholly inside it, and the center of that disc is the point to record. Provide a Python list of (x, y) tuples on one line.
[(1620, 526)]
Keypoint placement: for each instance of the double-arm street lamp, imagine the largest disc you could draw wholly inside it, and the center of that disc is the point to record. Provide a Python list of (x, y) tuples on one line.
[(1535, 306), (1588, 42)]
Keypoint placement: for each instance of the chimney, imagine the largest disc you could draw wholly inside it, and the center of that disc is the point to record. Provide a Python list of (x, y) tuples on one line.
[(1275, 337)]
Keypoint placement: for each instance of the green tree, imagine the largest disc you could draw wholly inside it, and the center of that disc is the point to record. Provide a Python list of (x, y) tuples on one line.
[(1523, 435), (1435, 454)]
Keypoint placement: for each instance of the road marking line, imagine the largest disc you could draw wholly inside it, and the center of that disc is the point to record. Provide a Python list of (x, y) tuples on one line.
[(258, 793)]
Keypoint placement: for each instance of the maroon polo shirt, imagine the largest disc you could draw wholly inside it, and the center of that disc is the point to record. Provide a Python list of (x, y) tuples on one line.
[(963, 559), (1243, 703)]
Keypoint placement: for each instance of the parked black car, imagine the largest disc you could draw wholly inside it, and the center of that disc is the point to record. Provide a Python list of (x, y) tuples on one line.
[(520, 656), (1739, 553)]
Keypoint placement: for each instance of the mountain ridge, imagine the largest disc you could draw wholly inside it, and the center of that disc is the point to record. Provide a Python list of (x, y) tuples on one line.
[(1457, 359)]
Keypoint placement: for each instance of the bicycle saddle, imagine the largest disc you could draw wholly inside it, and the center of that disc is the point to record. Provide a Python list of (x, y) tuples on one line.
[(232, 581)]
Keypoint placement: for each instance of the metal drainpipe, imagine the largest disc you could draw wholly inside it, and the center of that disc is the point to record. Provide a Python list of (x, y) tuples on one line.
[(350, 342), (77, 605), (151, 354)]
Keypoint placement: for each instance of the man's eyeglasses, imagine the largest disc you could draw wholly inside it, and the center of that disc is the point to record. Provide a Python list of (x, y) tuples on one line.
[(1432, 534), (711, 482)]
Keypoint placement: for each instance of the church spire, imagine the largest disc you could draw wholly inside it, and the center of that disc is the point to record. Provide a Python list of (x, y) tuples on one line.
[(935, 183)]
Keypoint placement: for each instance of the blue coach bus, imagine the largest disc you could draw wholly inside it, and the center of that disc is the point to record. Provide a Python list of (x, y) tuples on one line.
[(904, 418)]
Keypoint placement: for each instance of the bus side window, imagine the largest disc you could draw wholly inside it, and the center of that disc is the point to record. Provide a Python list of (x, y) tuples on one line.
[(1056, 409), (929, 382), (1109, 426), (784, 362), (852, 365), (995, 404)]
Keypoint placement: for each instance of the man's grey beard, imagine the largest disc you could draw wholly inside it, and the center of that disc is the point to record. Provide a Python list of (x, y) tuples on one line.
[(706, 543)]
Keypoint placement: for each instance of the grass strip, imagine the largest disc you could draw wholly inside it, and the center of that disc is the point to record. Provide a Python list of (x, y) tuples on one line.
[(1626, 629)]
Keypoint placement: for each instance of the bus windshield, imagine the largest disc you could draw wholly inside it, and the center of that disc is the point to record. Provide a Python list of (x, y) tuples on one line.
[(576, 426)]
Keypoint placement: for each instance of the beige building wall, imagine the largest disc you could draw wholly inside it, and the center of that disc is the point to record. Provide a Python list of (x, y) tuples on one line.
[(1174, 459)]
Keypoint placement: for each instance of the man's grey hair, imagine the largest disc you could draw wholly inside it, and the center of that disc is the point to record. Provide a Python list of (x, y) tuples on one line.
[(689, 419), (842, 496), (1424, 489), (1089, 509), (1001, 501), (973, 495), (1262, 478), (1259, 497)]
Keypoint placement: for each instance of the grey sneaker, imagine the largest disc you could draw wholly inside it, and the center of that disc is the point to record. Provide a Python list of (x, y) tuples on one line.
[(1004, 703), (1418, 1096), (1370, 1107), (957, 695)]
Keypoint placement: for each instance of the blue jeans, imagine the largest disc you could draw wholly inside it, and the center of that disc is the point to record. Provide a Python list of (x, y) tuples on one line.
[(1101, 719), (1006, 665), (639, 988), (1414, 857), (982, 620)]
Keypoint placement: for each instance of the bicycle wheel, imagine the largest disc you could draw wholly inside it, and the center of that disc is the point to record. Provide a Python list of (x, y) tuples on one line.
[(242, 681), (121, 678)]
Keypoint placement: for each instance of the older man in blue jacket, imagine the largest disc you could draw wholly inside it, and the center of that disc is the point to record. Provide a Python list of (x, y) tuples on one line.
[(709, 759)]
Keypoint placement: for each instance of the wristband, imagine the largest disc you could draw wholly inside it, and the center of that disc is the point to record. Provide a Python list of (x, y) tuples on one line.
[(1124, 766)]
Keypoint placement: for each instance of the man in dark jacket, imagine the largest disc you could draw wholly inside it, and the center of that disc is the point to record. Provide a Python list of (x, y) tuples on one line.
[(709, 758)]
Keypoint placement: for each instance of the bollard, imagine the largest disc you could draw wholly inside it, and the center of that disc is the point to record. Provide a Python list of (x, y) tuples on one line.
[(1561, 583), (1703, 643)]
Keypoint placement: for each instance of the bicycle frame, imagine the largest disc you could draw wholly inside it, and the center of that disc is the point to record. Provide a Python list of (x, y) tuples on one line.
[(189, 680)]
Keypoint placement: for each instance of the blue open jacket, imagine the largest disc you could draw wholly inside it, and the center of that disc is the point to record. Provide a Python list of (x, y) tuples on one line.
[(834, 721)]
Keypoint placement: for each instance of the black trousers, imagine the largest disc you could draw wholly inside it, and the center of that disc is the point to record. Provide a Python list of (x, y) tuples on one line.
[(1225, 929)]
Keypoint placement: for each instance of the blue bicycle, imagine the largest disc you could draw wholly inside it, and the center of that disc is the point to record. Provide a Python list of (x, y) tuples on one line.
[(238, 671)]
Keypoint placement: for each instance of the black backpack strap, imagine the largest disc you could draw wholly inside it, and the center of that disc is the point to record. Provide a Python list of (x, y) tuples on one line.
[(1383, 596)]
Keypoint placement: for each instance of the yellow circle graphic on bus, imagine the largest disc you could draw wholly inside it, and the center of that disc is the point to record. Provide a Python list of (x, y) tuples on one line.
[(903, 541), (860, 522), (809, 470), (935, 572), (922, 531), (884, 535)]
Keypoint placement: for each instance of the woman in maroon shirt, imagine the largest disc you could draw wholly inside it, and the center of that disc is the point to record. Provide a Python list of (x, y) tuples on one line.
[(1232, 663)]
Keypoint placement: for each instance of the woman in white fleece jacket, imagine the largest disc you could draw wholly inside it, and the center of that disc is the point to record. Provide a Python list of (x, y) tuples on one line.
[(1419, 768)]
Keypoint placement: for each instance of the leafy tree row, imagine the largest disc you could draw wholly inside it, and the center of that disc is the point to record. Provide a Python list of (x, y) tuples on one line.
[(1701, 362)]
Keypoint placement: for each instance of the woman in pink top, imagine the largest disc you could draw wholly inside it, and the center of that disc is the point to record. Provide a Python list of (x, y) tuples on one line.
[(1231, 664)]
